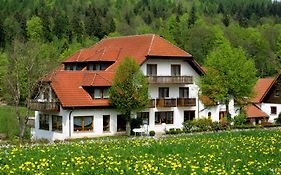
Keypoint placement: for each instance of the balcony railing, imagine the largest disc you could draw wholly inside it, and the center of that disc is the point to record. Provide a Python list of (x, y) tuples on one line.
[(166, 102), (44, 106), (182, 102), (151, 103), (170, 79), (172, 102)]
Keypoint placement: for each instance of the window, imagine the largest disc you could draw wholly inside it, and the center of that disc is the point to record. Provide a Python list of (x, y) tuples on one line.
[(71, 66), (144, 116), (151, 69), (188, 115), (121, 123), (83, 123), (183, 92), (44, 121), (105, 93), (97, 93), (106, 122), (164, 117), (277, 92), (98, 66), (175, 70), (101, 93), (56, 123), (163, 92), (273, 110), (209, 115)]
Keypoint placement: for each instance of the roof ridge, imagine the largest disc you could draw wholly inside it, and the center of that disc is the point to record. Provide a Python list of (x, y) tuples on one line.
[(94, 79), (128, 36), (152, 40), (165, 40), (103, 77)]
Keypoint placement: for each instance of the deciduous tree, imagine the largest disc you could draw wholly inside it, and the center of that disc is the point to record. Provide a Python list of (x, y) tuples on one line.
[(129, 91), (230, 75)]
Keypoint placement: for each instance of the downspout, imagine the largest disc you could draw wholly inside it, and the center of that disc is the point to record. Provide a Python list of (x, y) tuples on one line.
[(69, 124)]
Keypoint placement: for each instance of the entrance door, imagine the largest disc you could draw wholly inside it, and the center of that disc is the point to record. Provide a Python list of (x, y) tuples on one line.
[(121, 123)]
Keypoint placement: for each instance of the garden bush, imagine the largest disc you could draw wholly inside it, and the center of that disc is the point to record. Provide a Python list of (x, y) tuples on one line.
[(278, 119), (151, 133), (240, 119)]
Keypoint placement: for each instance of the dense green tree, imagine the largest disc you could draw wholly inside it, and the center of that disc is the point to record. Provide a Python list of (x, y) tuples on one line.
[(35, 28), (77, 26), (192, 16), (230, 75), (2, 34), (129, 91)]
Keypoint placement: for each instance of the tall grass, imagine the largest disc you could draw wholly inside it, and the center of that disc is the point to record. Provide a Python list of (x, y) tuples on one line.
[(8, 121)]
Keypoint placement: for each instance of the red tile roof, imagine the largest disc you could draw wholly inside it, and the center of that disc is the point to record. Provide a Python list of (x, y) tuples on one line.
[(137, 46), (68, 84), (68, 87), (261, 88), (253, 111)]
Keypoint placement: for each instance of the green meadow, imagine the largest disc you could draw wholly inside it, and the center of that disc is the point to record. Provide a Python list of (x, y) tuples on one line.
[(244, 152)]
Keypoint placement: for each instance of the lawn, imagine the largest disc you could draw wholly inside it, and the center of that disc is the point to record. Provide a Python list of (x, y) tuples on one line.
[(8, 121), (247, 152)]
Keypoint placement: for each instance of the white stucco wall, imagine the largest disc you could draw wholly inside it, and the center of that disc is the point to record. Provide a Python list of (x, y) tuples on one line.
[(163, 69), (67, 128), (266, 107)]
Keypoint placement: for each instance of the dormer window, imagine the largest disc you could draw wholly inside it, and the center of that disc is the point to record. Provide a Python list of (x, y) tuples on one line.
[(73, 66), (100, 93), (98, 66)]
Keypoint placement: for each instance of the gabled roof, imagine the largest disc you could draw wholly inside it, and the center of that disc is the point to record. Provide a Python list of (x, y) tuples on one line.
[(253, 111), (263, 86), (138, 46), (68, 85)]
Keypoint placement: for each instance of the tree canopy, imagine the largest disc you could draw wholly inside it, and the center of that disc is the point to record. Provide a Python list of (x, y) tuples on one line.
[(129, 91), (229, 75)]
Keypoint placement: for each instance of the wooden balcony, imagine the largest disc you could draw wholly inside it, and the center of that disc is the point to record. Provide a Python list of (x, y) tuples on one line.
[(44, 106), (170, 79), (151, 103), (161, 102), (182, 102)]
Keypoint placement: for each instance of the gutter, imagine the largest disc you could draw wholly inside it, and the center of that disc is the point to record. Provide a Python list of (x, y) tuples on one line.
[(69, 124)]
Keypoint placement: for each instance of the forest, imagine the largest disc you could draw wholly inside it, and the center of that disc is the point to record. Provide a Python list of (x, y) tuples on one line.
[(51, 30)]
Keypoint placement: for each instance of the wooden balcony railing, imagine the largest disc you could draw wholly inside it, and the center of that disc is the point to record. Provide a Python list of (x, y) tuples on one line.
[(151, 103), (182, 102), (44, 106), (170, 79), (172, 102)]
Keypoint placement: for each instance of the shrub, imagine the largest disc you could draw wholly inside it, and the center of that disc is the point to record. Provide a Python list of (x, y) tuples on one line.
[(188, 125), (202, 124), (151, 133), (224, 124), (278, 119), (178, 131), (172, 131), (240, 119), (215, 126)]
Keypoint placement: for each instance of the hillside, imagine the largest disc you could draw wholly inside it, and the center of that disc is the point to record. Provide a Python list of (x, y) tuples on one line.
[(62, 27)]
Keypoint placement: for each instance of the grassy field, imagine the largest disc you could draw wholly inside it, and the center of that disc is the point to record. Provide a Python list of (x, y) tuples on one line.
[(251, 152), (8, 122)]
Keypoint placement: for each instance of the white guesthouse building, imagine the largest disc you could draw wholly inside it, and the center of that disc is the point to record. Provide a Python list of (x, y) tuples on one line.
[(73, 101)]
